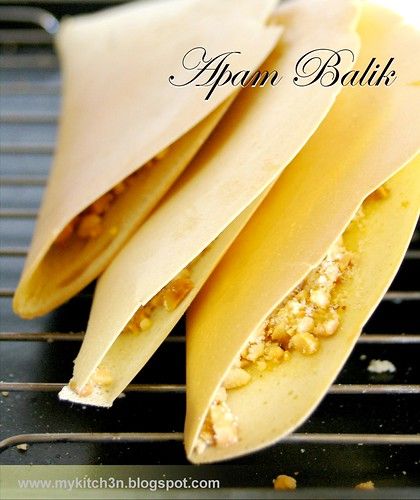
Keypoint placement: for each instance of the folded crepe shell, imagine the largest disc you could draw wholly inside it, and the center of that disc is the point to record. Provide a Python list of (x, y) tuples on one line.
[(244, 156), (279, 399), (369, 134), (131, 350), (119, 112)]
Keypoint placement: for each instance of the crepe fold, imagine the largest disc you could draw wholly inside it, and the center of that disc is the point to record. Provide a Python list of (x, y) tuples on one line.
[(368, 136), (119, 112), (260, 134)]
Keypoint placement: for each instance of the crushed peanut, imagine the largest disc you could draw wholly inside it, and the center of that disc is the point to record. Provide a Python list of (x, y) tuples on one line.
[(305, 342), (284, 482), (380, 193), (113, 231), (308, 314), (237, 377), (102, 204), (169, 298), (145, 324), (368, 485), (175, 292), (67, 232), (102, 377), (90, 226), (84, 391), (89, 223), (381, 366), (220, 427)]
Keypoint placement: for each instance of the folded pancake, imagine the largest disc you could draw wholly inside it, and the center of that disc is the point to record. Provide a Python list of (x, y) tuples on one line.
[(151, 324), (277, 319), (125, 132), (155, 272)]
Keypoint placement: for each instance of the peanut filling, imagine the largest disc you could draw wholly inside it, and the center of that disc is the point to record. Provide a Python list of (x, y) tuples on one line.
[(368, 485), (299, 323), (102, 378), (284, 482), (169, 298), (89, 224), (221, 426)]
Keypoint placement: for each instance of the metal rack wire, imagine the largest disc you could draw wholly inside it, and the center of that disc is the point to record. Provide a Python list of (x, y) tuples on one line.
[(363, 417)]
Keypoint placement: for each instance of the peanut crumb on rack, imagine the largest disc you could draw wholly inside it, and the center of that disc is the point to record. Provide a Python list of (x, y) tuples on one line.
[(23, 447), (368, 485), (381, 366), (284, 482)]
